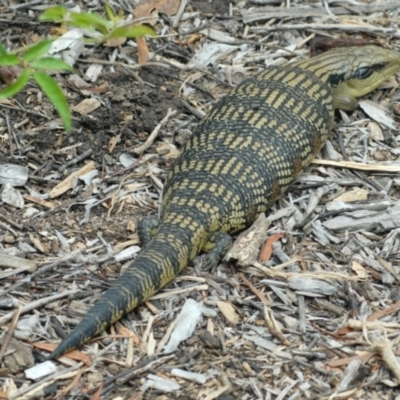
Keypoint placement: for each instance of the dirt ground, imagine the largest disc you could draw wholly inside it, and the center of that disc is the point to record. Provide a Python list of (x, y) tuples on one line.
[(68, 234)]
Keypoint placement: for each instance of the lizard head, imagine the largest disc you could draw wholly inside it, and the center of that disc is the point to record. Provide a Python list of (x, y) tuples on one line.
[(367, 68), (353, 72)]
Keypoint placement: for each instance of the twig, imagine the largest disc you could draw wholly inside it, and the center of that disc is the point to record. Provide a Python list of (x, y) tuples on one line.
[(38, 386), (150, 140), (20, 108), (11, 222), (25, 5), (8, 228), (341, 27), (384, 349), (178, 291), (10, 331), (356, 165), (199, 114), (259, 294), (76, 160), (46, 268), (124, 65), (179, 13), (69, 387), (142, 368), (37, 304), (18, 263)]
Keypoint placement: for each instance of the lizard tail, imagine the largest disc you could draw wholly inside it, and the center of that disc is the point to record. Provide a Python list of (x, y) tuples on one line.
[(162, 259)]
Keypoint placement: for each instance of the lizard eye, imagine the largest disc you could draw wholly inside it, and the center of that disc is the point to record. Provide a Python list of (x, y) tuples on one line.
[(363, 73)]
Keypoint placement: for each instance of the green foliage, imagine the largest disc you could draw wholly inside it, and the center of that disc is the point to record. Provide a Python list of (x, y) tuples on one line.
[(54, 93), (131, 32), (8, 60), (36, 51), (3, 50), (55, 14), (34, 61), (109, 28), (51, 64)]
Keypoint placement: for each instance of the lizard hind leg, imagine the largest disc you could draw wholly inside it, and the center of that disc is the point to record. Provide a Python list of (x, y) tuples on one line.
[(216, 247), (147, 229)]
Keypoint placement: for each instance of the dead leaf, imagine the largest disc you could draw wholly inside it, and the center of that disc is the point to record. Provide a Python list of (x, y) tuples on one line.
[(266, 251), (115, 42), (150, 8), (143, 51), (74, 354)]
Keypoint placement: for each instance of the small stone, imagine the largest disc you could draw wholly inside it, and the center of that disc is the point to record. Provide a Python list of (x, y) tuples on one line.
[(9, 239)]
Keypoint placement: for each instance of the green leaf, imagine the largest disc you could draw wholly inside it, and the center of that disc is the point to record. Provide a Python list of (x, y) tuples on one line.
[(90, 21), (110, 14), (55, 14), (3, 50), (53, 91), (8, 60), (132, 31), (16, 86), (37, 50), (51, 63)]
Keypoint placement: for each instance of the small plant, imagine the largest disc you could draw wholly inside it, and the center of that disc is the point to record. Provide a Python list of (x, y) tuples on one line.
[(34, 62)]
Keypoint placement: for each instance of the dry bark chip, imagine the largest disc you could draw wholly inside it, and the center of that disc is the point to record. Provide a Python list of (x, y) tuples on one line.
[(311, 286), (246, 247), (377, 113), (67, 183), (18, 356), (87, 106), (228, 311), (356, 194)]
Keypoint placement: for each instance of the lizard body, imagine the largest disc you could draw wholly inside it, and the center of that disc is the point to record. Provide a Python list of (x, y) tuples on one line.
[(242, 156)]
